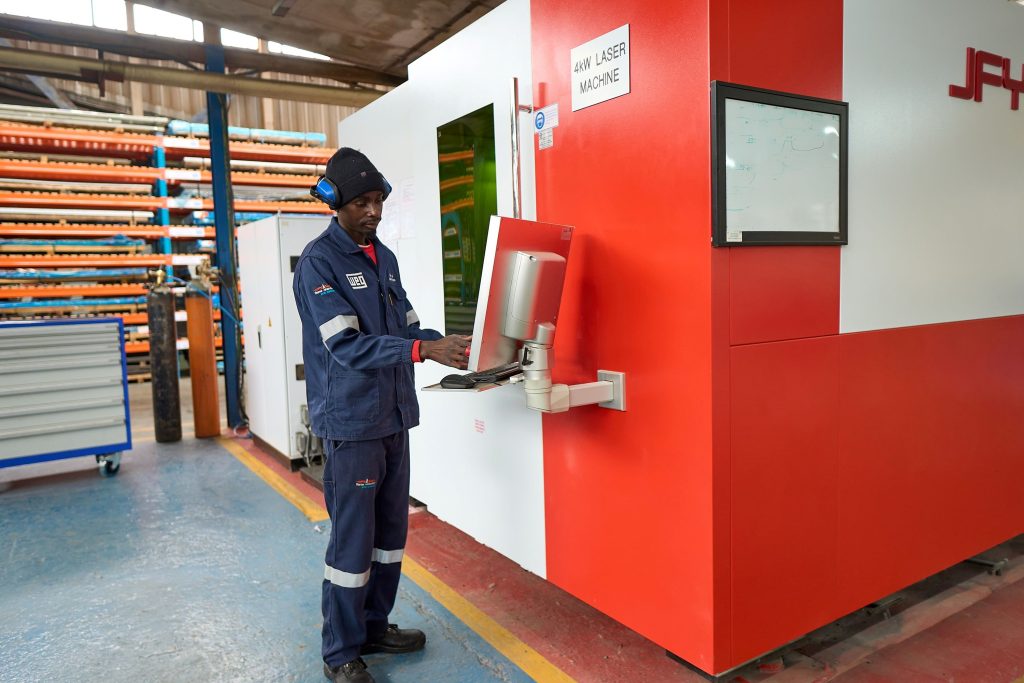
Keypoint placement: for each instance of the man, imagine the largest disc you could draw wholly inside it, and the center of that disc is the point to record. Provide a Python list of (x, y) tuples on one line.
[(360, 338)]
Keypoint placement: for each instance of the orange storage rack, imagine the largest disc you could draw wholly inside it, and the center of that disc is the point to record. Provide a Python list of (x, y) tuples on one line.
[(54, 265), (123, 173)]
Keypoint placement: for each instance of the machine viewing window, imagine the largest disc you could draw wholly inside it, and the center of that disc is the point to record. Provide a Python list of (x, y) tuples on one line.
[(469, 197), (778, 167)]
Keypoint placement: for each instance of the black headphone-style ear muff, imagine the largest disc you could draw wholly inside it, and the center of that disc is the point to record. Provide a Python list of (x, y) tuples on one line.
[(326, 191)]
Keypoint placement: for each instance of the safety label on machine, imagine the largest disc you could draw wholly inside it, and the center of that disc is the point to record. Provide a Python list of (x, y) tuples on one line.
[(546, 138), (544, 123), (546, 118), (599, 69)]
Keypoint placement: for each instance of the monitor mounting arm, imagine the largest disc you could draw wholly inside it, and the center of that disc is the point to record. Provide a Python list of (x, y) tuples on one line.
[(608, 392)]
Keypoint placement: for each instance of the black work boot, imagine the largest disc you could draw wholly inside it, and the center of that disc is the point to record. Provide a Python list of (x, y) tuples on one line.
[(395, 640), (349, 672)]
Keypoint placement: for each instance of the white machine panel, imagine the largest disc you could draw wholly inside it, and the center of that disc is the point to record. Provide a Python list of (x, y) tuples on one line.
[(477, 461), (293, 237), (274, 392), (934, 187)]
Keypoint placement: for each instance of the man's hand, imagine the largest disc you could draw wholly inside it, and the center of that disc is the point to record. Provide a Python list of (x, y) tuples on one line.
[(450, 351)]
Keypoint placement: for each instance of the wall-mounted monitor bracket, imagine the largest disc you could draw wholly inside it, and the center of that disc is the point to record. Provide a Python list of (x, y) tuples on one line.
[(609, 391)]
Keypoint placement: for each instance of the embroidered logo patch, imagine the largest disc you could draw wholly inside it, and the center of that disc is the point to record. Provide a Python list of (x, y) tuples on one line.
[(366, 483), (356, 280), (323, 289), (391, 277)]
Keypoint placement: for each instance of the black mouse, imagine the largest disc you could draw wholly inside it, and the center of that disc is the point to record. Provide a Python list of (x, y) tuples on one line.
[(458, 382)]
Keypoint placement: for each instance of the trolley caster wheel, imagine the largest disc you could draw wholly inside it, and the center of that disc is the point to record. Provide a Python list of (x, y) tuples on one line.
[(109, 464)]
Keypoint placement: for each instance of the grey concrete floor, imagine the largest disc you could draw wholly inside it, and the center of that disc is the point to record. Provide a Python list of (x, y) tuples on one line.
[(184, 567)]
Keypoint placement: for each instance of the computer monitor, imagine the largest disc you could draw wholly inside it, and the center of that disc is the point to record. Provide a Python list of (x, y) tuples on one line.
[(520, 288)]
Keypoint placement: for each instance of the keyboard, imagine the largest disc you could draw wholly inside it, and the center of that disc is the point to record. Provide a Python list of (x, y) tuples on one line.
[(488, 376)]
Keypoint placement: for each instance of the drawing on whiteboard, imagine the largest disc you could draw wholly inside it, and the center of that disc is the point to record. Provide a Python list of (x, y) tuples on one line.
[(781, 171), (779, 168)]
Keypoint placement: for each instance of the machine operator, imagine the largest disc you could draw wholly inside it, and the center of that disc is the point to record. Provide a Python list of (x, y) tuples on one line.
[(360, 338)]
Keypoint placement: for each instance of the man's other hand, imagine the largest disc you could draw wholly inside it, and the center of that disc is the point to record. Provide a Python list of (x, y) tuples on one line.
[(450, 351)]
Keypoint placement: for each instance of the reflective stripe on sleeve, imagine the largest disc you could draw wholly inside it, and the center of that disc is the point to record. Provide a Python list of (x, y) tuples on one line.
[(387, 556), (411, 317), (337, 324), (345, 579)]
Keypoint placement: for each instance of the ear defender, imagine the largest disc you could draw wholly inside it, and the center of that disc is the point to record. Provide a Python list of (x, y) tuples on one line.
[(326, 191)]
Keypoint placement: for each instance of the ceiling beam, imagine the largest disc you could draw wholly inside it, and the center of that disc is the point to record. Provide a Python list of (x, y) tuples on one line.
[(153, 47), (92, 70), (405, 57), (45, 86)]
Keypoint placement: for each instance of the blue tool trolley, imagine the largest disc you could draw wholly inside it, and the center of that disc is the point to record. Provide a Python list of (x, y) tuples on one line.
[(63, 392)]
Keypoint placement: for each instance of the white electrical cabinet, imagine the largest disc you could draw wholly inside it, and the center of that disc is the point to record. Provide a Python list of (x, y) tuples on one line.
[(275, 386)]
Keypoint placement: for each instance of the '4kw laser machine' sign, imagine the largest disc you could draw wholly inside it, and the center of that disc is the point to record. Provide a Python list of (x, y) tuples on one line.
[(600, 68)]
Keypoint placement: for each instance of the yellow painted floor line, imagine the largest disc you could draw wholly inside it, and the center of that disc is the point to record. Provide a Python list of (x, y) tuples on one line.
[(501, 639), (313, 511)]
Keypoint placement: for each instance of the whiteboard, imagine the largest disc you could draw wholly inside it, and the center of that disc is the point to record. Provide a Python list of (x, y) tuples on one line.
[(780, 166)]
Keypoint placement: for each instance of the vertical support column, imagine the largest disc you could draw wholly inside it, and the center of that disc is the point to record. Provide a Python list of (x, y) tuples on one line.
[(163, 215), (134, 87), (266, 104), (224, 222)]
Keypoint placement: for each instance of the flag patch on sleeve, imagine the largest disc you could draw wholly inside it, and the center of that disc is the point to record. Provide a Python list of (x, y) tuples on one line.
[(323, 289)]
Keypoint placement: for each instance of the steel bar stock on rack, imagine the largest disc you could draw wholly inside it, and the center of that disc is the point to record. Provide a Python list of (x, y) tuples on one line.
[(87, 209)]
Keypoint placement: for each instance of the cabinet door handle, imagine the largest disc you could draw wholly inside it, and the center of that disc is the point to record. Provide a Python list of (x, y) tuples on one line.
[(517, 179)]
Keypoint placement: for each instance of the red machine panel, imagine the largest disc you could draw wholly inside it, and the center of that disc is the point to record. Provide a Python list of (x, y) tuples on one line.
[(931, 443), (785, 508), (783, 293), (628, 495)]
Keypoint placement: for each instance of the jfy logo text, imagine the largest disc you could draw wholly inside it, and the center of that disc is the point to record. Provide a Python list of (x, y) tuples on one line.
[(978, 77)]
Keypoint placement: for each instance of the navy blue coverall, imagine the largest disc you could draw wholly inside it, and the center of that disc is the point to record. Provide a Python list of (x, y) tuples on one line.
[(358, 329)]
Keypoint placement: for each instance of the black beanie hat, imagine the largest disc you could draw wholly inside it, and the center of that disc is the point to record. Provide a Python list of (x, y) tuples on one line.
[(353, 175)]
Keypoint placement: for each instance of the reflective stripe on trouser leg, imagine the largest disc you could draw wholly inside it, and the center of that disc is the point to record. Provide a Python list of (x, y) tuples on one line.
[(388, 556), (389, 540), (353, 472), (346, 579)]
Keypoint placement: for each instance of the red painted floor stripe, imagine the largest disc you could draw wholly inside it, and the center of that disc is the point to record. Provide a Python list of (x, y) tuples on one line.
[(983, 643)]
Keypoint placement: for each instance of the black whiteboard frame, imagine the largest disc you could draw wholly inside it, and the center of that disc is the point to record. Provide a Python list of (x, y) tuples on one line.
[(722, 91)]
